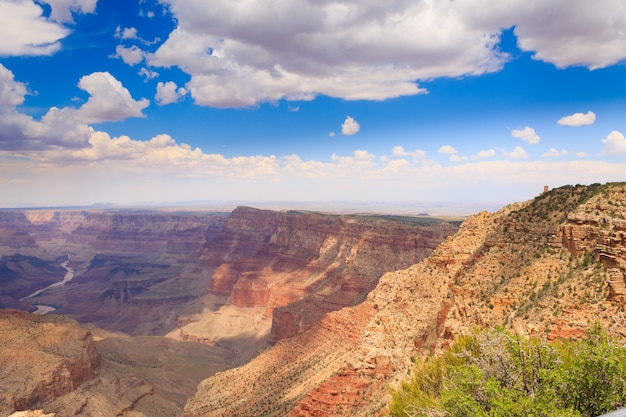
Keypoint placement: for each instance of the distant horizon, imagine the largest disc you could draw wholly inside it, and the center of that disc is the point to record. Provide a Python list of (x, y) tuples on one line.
[(413, 208)]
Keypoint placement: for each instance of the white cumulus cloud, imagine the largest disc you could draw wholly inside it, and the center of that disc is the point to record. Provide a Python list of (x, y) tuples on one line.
[(458, 158), (578, 119), (448, 150), (526, 134), (23, 30), (490, 153), (132, 55), (126, 33), (62, 10), (62, 127), (147, 73), (168, 93), (350, 126), (109, 100), (614, 144), (297, 49)]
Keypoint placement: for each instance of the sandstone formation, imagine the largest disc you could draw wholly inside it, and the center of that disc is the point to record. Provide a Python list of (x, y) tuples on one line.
[(51, 365), (43, 357), (542, 267)]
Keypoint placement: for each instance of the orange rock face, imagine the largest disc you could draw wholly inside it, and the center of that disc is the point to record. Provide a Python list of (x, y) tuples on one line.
[(41, 358)]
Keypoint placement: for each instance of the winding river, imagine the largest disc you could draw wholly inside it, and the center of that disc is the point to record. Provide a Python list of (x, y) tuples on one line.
[(45, 309)]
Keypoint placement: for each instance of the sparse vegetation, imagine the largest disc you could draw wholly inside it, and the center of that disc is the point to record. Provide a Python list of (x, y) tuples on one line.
[(496, 373)]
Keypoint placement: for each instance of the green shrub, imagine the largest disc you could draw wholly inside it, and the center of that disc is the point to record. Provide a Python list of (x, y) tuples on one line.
[(496, 374)]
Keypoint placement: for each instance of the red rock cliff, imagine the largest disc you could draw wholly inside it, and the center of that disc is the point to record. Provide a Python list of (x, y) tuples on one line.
[(301, 265)]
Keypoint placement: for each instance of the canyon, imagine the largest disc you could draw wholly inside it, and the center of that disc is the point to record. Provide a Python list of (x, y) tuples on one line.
[(168, 298), (549, 267), (292, 313)]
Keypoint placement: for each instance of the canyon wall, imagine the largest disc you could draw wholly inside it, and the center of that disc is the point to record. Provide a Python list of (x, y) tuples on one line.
[(298, 266), (535, 268)]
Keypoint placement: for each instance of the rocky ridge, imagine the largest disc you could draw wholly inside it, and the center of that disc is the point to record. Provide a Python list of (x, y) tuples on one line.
[(551, 266)]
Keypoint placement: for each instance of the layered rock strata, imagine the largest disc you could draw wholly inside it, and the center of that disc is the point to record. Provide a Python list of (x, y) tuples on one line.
[(517, 268), (298, 266)]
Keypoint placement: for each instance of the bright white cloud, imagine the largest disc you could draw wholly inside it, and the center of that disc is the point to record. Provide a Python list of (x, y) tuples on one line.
[(568, 33), (578, 119), (131, 55), (399, 151), (360, 160), (23, 30), (448, 150), (65, 127), (61, 10), (126, 33), (553, 153), (109, 100), (11, 92), (168, 93), (331, 134), (526, 134), (350, 126), (297, 49), (614, 144), (517, 153)]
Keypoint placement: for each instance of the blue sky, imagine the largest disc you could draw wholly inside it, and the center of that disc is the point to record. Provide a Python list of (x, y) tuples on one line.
[(475, 101)]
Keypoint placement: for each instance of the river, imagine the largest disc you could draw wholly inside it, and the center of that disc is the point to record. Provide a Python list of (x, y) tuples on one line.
[(45, 309)]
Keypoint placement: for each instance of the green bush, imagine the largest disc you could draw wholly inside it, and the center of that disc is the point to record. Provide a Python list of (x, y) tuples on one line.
[(496, 374)]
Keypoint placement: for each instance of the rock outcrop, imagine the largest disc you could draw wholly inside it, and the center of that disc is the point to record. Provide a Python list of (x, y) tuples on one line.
[(598, 228), (42, 358)]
